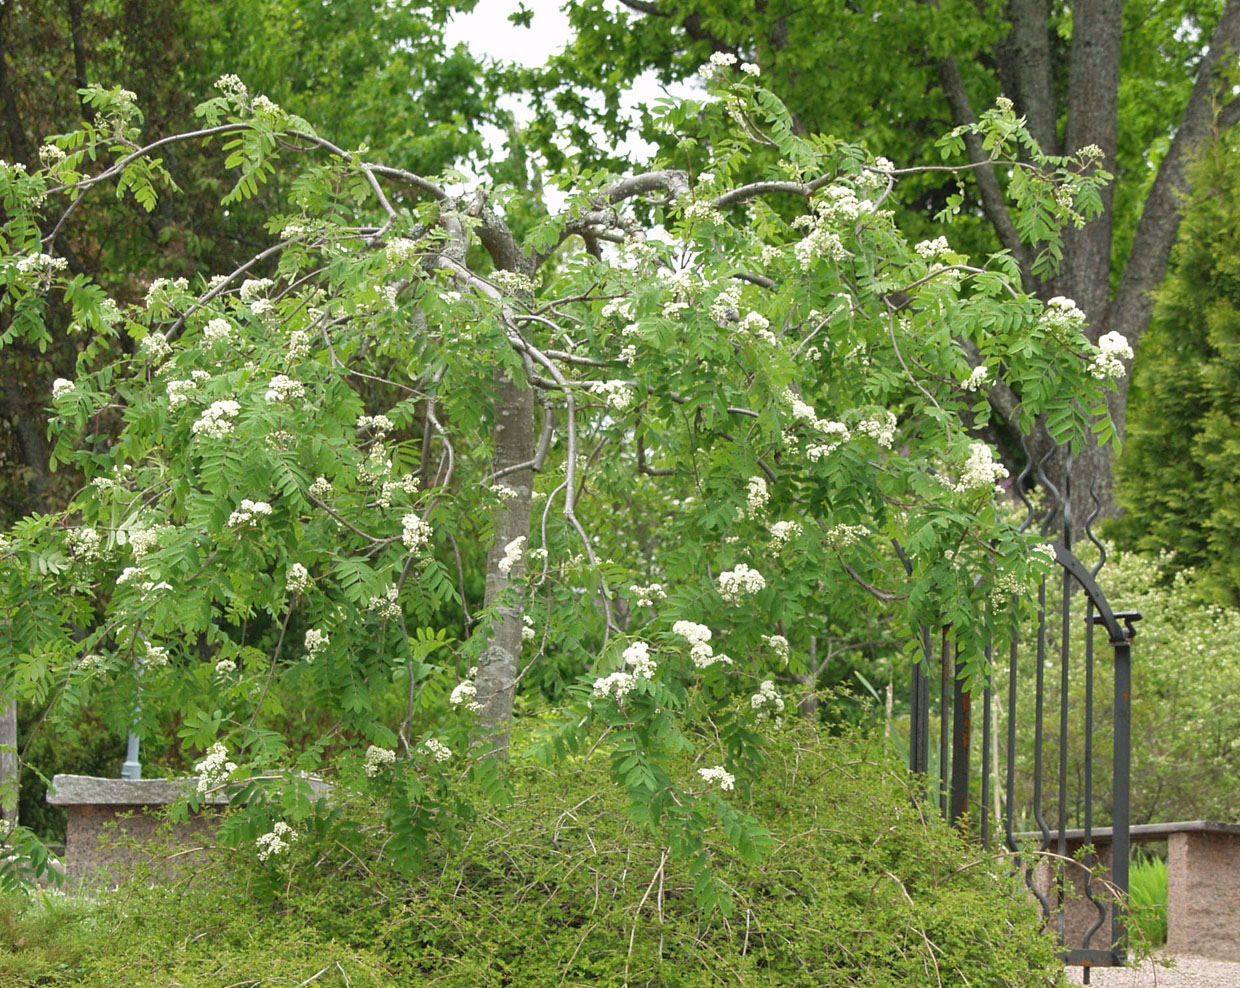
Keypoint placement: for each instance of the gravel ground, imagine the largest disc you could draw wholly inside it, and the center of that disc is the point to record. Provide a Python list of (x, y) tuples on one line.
[(1189, 972)]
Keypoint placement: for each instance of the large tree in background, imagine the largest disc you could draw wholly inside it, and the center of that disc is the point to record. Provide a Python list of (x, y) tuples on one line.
[(1180, 474), (890, 73)]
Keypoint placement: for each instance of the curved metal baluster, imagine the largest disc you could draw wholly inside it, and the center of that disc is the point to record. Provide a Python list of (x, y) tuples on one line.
[(1089, 721), (1065, 622)]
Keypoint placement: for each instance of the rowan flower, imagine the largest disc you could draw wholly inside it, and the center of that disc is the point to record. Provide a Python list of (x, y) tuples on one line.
[(783, 532), (61, 387), (719, 774), (283, 388), (180, 392), (225, 666), (767, 702), (215, 422), (465, 694), (503, 492), (618, 685), (275, 842), (881, 429), (252, 288), (440, 751), (415, 533), (214, 769), (1113, 350), (376, 758), (85, 543), (750, 69), (216, 331), (842, 536), (528, 633), (232, 87), (978, 379), (321, 488), (778, 644), (616, 394), (722, 58), (513, 552), (379, 425), (645, 596), (316, 641), (385, 605), (155, 347), (756, 496), (637, 657), (248, 512), (298, 579), (932, 248), (155, 655), (400, 250), (737, 584), (981, 469)]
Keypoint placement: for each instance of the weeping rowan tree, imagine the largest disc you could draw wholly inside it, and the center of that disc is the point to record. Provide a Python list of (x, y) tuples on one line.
[(678, 436)]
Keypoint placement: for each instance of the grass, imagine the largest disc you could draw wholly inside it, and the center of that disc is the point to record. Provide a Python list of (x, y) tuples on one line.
[(1147, 897)]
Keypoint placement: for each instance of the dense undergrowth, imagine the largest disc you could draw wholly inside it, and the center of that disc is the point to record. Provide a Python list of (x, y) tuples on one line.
[(562, 889)]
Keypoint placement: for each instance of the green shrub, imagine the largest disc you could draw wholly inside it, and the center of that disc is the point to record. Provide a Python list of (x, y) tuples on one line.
[(1147, 898), (862, 889)]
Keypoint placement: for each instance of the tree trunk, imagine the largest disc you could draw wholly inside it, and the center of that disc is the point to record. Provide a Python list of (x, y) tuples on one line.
[(9, 778), (497, 665)]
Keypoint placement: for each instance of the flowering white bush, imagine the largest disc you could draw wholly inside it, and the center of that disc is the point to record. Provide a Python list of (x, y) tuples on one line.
[(424, 408)]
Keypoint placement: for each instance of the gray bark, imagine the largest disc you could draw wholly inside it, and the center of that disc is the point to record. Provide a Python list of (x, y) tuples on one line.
[(9, 777)]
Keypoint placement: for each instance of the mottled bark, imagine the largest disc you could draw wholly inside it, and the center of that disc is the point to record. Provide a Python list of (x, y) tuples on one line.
[(497, 665), (9, 778)]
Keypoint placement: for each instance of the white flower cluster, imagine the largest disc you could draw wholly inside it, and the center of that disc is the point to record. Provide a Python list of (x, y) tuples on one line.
[(722, 58), (278, 841), (619, 685), (85, 543), (466, 694), (645, 596), (232, 87), (43, 263), (61, 387), (283, 388), (380, 425), (725, 308), (750, 69), (155, 347), (1113, 350), (321, 488), (513, 552), (437, 749), (252, 288), (512, 283), (979, 378), (767, 702), (298, 579), (316, 641), (700, 651), (1062, 313), (216, 331), (91, 662), (758, 324), (777, 644), (637, 657), (981, 470), (225, 666), (616, 394), (415, 533), (783, 532), (129, 574), (1046, 549), (818, 244), (839, 204), (700, 210), (933, 248), (837, 433), (756, 496), (622, 307), (385, 605), (720, 775), (503, 492), (408, 484), (214, 770), (216, 421), (737, 584), (248, 512), (180, 392), (882, 429), (528, 632), (160, 287), (51, 156), (842, 536), (401, 250), (377, 757)]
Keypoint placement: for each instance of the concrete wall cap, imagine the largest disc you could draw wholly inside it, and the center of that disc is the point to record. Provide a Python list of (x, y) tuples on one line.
[(88, 790)]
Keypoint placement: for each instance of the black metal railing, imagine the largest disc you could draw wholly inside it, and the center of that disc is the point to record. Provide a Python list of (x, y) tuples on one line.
[(1063, 861)]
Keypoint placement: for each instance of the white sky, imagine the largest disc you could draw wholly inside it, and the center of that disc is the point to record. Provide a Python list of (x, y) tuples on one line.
[(486, 31)]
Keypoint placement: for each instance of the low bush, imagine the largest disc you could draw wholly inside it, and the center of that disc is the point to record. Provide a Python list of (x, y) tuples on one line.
[(1147, 898), (862, 888)]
